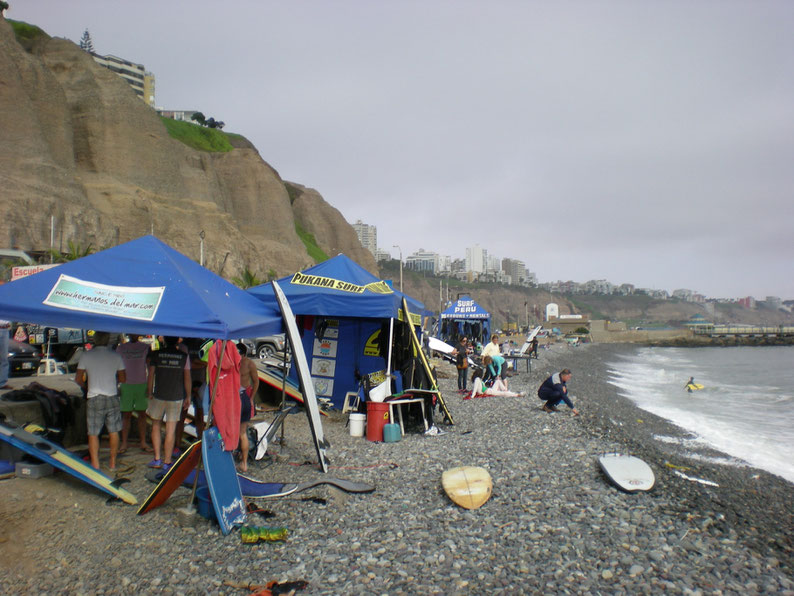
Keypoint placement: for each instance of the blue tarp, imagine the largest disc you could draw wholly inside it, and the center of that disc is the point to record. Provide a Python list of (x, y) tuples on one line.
[(143, 286), (344, 309)]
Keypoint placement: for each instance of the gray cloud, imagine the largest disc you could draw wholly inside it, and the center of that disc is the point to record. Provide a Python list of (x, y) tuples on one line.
[(648, 143)]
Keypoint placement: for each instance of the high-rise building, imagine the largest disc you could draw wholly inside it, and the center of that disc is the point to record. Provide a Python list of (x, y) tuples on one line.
[(422, 260), (141, 81), (368, 236), (476, 259)]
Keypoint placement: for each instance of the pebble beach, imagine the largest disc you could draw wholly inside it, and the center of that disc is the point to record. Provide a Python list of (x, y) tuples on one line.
[(554, 523)]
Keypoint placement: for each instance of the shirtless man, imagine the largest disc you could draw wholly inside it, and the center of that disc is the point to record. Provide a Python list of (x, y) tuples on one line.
[(249, 383)]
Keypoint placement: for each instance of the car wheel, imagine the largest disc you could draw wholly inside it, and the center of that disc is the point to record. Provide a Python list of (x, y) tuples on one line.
[(265, 351)]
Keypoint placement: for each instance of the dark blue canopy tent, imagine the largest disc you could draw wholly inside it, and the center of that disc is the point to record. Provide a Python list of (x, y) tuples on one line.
[(465, 317), (343, 309), (143, 286)]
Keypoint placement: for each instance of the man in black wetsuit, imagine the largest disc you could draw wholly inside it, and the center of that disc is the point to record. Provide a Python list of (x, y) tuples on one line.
[(554, 390)]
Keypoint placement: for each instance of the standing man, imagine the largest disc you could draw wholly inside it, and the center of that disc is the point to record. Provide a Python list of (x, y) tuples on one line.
[(554, 390), (168, 391), (5, 329), (249, 383), (492, 349), (99, 372), (533, 349), (134, 353), (461, 354)]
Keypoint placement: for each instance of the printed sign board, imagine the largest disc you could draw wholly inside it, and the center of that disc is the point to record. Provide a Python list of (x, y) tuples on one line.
[(71, 293)]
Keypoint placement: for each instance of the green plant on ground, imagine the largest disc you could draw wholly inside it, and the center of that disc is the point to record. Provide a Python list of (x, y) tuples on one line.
[(315, 252), (197, 137)]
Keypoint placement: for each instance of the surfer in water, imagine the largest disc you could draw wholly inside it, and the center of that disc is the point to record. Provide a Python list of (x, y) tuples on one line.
[(689, 384)]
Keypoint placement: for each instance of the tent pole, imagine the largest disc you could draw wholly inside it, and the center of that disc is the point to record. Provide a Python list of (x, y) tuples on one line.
[(283, 397), (388, 362)]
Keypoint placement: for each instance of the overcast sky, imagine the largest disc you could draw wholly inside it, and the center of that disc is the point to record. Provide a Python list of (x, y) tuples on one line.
[(640, 142)]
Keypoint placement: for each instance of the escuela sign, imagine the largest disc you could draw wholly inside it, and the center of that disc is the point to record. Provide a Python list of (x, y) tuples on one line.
[(24, 270)]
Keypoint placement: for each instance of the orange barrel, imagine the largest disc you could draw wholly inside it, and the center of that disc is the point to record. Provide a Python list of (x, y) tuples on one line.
[(377, 418)]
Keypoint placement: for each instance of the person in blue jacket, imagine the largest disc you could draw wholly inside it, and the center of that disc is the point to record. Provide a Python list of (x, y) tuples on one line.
[(555, 389), (494, 368)]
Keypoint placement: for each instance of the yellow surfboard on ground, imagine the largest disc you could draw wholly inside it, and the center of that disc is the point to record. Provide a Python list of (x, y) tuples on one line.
[(467, 486)]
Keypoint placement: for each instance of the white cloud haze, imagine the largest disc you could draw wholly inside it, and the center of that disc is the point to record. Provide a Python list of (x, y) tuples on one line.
[(642, 142)]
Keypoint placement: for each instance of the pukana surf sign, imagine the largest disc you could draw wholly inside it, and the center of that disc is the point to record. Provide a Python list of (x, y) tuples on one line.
[(378, 287)]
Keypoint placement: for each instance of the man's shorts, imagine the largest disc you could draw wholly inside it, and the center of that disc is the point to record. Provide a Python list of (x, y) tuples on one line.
[(172, 410), (245, 405), (133, 397), (103, 410)]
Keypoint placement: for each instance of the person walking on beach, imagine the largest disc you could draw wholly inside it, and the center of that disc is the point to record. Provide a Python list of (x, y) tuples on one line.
[(134, 353), (99, 372), (555, 390), (461, 354), (249, 383), (168, 390), (533, 348)]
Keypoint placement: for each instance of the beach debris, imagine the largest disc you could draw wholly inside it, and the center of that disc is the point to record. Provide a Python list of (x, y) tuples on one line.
[(693, 479), (254, 534), (271, 588), (676, 467)]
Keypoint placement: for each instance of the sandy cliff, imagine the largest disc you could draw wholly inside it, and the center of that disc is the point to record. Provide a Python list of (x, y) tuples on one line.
[(81, 150)]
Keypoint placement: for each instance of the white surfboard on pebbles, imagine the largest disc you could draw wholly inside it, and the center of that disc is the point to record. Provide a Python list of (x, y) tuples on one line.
[(627, 472)]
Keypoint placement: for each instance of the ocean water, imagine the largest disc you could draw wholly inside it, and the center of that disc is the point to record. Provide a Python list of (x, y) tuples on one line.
[(746, 408)]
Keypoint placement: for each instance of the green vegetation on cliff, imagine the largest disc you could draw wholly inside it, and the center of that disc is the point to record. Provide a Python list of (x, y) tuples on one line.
[(315, 252), (26, 33), (197, 137)]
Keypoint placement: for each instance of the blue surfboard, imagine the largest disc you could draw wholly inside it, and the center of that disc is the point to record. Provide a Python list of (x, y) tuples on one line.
[(227, 498), (63, 459)]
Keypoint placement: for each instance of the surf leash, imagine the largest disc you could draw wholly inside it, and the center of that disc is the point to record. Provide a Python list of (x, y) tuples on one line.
[(391, 465)]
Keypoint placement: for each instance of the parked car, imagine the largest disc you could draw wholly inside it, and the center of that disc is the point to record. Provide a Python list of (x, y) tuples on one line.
[(23, 359), (264, 347)]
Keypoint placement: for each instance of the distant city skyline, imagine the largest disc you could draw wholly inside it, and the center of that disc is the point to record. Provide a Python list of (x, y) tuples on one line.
[(371, 230)]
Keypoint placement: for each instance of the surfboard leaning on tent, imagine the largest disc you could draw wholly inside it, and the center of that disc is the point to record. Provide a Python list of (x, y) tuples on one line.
[(426, 365)]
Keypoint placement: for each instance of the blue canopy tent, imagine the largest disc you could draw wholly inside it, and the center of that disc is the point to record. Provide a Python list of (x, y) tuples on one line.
[(343, 309), (143, 286), (465, 317)]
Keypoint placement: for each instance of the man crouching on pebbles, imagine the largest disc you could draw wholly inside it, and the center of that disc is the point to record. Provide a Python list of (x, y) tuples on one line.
[(554, 390)]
